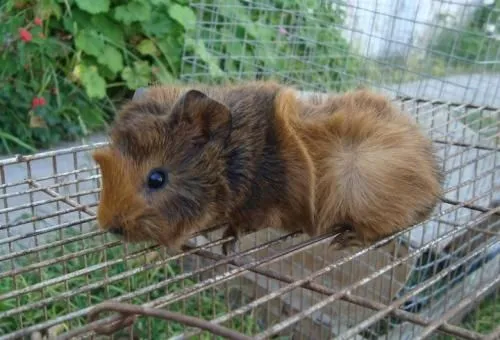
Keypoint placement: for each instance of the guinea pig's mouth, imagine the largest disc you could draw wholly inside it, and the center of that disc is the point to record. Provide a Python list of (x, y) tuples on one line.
[(125, 235), (145, 228), (141, 229), (118, 231)]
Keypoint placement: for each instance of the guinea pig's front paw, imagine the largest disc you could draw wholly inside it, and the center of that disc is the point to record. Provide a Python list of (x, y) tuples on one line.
[(231, 246), (346, 238)]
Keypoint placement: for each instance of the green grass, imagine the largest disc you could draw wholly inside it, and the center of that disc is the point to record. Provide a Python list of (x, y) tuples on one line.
[(487, 316), (209, 304), (483, 319)]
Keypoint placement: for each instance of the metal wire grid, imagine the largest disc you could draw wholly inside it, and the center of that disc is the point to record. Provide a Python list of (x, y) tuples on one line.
[(256, 39), (391, 45), (55, 266)]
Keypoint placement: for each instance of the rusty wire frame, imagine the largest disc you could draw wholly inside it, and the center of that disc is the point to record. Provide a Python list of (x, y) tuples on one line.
[(60, 277), (476, 228)]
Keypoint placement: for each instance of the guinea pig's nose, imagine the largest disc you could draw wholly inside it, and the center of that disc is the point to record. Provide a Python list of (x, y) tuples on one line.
[(116, 230)]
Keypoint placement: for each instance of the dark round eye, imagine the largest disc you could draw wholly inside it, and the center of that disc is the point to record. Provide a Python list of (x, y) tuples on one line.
[(157, 179)]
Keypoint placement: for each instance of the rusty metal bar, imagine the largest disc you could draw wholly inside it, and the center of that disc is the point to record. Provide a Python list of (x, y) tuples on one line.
[(66, 200), (453, 330), (314, 274), (134, 271), (451, 119), (468, 145), (53, 186), (49, 262), (464, 164), (54, 177), (470, 206), (364, 302), (69, 316), (356, 255), (41, 231), (47, 154), (397, 303), (29, 205), (284, 324), (467, 182), (50, 245), (41, 218), (127, 312), (448, 103)]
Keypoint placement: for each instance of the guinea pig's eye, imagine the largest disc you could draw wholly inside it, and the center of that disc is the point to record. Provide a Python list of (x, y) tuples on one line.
[(157, 179)]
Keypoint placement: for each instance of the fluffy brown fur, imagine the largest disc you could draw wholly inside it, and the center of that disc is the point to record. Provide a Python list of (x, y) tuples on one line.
[(253, 156)]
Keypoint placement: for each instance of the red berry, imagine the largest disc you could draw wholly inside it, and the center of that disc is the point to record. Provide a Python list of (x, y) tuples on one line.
[(38, 21), (38, 101), (25, 35)]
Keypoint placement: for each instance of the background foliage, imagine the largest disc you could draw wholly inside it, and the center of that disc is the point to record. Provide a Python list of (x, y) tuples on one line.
[(66, 64), (296, 41), (81, 57), (470, 44)]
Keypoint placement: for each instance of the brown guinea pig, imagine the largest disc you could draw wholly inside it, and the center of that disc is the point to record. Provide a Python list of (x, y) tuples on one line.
[(255, 155)]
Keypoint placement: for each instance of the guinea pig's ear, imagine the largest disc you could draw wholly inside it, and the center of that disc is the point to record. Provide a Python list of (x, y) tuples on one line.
[(210, 118)]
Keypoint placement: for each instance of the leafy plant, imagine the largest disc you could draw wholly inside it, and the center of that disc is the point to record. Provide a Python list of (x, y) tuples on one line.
[(83, 56), (34, 97), (292, 41)]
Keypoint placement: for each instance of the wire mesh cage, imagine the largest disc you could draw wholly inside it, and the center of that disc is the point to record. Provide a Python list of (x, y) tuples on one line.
[(438, 279)]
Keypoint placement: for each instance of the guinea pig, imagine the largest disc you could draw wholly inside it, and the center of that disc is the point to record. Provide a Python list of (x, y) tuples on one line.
[(182, 159)]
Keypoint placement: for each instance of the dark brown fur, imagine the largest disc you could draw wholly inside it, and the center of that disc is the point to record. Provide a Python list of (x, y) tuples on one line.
[(254, 156)]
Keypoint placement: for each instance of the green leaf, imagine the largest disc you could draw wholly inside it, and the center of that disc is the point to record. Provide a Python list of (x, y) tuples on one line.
[(147, 47), (163, 76), (160, 2), (264, 32), (138, 75), (109, 28), (106, 73), (94, 84), (4, 135), (132, 12), (235, 48), (93, 6), (78, 20), (171, 49), (199, 48), (48, 8), (88, 41), (112, 58), (161, 25), (183, 15)]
